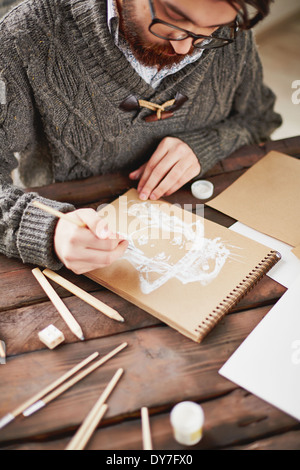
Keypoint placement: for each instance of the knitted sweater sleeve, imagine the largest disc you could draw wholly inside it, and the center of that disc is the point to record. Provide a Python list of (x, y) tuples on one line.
[(252, 118), (25, 231)]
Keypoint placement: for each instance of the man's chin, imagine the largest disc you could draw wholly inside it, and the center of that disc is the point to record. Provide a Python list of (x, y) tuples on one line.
[(170, 54), (161, 60)]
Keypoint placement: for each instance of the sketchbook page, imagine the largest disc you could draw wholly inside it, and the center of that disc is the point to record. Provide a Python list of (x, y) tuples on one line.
[(288, 267), (266, 197), (267, 363), (179, 267)]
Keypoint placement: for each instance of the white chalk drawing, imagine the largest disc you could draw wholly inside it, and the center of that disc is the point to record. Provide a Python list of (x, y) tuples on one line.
[(197, 258)]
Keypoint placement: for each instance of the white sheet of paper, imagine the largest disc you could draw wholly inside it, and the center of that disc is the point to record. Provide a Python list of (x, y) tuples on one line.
[(288, 268), (267, 363)]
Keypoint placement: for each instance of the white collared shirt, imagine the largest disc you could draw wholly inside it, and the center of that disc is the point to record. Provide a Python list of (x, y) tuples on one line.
[(150, 74)]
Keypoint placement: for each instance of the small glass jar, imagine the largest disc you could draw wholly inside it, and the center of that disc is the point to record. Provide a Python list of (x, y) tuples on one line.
[(187, 420)]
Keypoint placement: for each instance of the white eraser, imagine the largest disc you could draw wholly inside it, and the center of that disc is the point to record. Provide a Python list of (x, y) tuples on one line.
[(51, 336), (202, 189)]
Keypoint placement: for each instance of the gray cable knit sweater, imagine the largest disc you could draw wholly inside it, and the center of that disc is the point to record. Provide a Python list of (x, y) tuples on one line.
[(62, 80)]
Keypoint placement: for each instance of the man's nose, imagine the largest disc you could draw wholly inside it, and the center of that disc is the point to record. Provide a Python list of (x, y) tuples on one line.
[(182, 47)]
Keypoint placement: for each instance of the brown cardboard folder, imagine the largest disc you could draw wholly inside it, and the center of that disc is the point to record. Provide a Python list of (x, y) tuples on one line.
[(185, 270), (266, 198)]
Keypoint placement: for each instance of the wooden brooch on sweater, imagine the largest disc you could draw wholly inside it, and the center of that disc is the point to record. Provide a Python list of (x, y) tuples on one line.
[(132, 103)]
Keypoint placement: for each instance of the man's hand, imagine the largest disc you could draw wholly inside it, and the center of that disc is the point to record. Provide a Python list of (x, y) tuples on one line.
[(84, 249), (171, 166)]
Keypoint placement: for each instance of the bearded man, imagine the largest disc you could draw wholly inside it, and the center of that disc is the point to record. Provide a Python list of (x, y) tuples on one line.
[(161, 89)]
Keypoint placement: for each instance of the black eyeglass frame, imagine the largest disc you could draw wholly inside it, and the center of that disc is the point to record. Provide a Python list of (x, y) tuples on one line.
[(225, 41)]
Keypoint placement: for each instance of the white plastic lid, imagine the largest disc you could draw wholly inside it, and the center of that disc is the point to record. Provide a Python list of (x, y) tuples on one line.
[(202, 189)]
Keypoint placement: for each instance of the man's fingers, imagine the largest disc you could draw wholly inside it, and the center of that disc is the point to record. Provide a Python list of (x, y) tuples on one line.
[(135, 175), (97, 226), (176, 178), (93, 222), (82, 249), (85, 260), (189, 174), (172, 164), (87, 239), (169, 173), (150, 166), (156, 174)]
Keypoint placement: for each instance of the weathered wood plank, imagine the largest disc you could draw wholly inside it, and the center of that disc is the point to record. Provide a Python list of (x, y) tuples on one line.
[(103, 193), (91, 189), (266, 292), (247, 155), (235, 418), (108, 186), (19, 327), (289, 145), (224, 423), (161, 368), (10, 264), (19, 287), (285, 441)]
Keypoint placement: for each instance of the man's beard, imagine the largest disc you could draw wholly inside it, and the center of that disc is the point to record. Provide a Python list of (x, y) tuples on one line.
[(150, 55)]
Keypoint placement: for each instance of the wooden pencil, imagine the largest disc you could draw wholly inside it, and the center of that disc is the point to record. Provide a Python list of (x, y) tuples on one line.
[(85, 296), (146, 433), (2, 352), (58, 303), (90, 426), (102, 307), (17, 411), (80, 439), (65, 386), (59, 214)]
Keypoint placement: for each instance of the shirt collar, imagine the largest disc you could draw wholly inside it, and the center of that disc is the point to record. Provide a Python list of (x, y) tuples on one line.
[(113, 19), (148, 73)]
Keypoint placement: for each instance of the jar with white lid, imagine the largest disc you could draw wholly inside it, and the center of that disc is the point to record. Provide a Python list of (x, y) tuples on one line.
[(187, 420)]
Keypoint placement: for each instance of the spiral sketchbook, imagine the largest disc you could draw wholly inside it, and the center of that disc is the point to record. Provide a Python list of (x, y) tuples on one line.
[(185, 270)]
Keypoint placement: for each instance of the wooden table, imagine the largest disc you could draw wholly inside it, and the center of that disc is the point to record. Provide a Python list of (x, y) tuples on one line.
[(161, 367)]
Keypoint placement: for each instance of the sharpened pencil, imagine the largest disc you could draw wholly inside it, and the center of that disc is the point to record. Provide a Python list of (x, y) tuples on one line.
[(88, 427), (88, 298), (65, 386), (58, 303), (146, 433), (90, 423), (2, 352), (17, 411), (101, 306)]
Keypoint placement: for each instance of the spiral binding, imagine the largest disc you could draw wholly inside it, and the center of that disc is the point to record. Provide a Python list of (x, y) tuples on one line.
[(237, 293)]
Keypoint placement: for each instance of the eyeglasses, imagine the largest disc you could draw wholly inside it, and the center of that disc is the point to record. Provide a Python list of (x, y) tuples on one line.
[(168, 31)]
